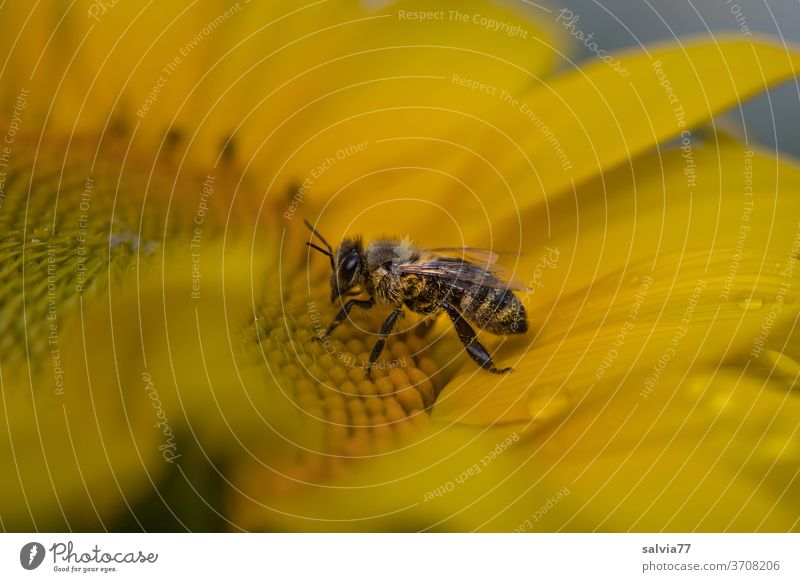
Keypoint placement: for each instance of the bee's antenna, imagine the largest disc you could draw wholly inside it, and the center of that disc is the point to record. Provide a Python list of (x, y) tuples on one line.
[(319, 236), (323, 251), (320, 249), (328, 252)]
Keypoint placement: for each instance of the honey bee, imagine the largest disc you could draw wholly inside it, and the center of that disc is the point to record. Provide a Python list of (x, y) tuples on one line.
[(462, 282)]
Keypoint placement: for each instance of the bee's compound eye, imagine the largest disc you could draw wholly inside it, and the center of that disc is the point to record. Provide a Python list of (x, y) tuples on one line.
[(349, 266)]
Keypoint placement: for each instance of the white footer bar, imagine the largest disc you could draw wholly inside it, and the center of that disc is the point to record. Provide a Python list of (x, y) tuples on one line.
[(389, 557)]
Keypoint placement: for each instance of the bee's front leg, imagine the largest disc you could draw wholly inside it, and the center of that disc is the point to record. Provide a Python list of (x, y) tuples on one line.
[(386, 329), (342, 315)]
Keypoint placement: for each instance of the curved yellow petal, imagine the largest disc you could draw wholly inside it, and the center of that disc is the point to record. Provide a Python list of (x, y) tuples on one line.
[(278, 87), (652, 264), (661, 372), (148, 381), (540, 144), (698, 263), (458, 479), (708, 449), (152, 337), (493, 182), (599, 118), (719, 455)]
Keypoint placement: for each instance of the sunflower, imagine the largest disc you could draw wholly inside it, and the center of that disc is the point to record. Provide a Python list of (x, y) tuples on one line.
[(159, 303)]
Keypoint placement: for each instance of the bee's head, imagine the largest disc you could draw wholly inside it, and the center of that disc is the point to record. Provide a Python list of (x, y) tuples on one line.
[(347, 263), (348, 267)]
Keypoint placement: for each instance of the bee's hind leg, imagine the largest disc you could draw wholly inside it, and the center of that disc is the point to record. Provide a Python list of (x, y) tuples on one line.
[(467, 336), (386, 329)]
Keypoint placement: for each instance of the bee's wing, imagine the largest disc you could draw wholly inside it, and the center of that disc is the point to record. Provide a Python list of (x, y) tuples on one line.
[(460, 274), (467, 254)]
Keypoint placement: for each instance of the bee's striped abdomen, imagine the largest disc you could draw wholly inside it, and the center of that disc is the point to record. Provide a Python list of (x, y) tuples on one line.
[(497, 311)]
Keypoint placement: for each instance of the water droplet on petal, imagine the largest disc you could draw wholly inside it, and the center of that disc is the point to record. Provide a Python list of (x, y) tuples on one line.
[(696, 386), (546, 407), (711, 390), (784, 368), (750, 303), (720, 400), (779, 449)]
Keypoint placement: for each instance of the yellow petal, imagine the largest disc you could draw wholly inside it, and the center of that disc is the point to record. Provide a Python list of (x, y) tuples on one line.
[(717, 455), (85, 417), (186, 335), (276, 86), (651, 268), (457, 479), (152, 380), (600, 118), (538, 144), (529, 149), (708, 449)]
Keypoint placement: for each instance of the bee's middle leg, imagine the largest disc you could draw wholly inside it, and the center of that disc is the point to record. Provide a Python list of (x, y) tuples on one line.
[(386, 329), (467, 336)]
